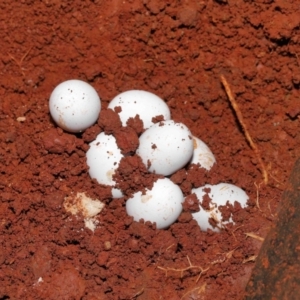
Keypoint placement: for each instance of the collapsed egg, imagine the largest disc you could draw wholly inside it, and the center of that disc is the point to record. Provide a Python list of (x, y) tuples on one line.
[(219, 194), (202, 155), (161, 205), (137, 102), (166, 147), (103, 159), (74, 105)]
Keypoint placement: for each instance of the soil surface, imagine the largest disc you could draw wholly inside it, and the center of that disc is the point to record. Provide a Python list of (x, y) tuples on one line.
[(177, 50)]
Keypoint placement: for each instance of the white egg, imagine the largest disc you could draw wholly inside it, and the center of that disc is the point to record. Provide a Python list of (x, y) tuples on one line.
[(142, 103), (219, 195), (103, 159), (161, 205), (202, 155), (166, 147), (74, 105)]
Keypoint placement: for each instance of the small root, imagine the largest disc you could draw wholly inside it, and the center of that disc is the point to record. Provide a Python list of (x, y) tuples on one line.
[(269, 207), (200, 289), (233, 231), (19, 63), (191, 266)]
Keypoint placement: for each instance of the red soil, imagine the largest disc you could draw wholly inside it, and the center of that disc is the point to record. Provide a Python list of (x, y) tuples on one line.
[(177, 50)]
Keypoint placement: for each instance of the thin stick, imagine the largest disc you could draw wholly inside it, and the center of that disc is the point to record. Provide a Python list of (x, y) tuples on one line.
[(246, 132), (257, 195), (140, 292), (251, 258), (254, 236)]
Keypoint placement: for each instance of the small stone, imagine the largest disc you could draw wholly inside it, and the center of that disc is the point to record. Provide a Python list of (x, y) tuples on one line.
[(107, 245)]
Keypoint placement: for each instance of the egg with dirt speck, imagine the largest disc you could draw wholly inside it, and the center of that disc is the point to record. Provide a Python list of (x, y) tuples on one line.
[(166, 147), (161, 205), (103, 158), (217, 205), (74, 105), (202, 155), (142, 103)]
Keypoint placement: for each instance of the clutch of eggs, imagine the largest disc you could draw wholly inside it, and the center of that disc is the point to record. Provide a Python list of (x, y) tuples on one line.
[(165, 147)]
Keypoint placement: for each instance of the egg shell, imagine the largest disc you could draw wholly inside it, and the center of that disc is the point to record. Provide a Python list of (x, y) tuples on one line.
[(86, 206), (74, 105), (161, 205), (83, 204), (219, 195), (103, 158), (202, 155), (137, 102), (167, 146)]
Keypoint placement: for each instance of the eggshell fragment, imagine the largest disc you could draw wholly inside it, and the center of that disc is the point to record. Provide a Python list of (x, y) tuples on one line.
[(202, 155), (166, 147), (137, 102), (84, 205), (161, 205), (74, 105), (219, 194), (103, 159)]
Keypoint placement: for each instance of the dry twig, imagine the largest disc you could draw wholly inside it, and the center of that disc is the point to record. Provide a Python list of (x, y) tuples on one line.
[(246, 132), (257, 195), (251, 258), (140, 292), (254, 236)]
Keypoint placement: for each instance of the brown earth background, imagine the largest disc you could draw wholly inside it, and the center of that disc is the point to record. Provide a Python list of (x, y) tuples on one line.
[(177, 50)]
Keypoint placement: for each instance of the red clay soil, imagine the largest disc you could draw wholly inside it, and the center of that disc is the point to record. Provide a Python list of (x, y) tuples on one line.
[(177, 50)]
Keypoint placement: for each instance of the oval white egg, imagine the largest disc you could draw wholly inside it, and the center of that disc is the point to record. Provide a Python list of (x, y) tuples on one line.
[(161, 205), (137, 102), (202, 155), (74, 105), (103, 159), (219, 195), (166, 147)]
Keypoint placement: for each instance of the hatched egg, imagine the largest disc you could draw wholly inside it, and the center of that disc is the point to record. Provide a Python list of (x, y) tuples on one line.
[(137, 102), (103, 159), (161, 205), (219, 194), (202, 155), (74, 105), (166, 147)]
